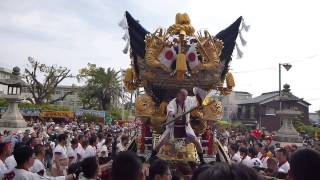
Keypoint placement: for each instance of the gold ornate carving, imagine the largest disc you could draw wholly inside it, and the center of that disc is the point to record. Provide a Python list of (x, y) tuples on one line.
[(183, 23), (210, 48), (213, 111), (154, 44), (144, 106), (230, 85), (159, 117), (130, 80)]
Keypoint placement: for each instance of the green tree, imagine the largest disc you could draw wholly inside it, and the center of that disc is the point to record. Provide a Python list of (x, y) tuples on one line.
[(102, 87), (42, 91)]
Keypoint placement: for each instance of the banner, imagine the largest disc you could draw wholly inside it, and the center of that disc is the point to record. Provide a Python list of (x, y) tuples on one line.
[(25, 112), (57, 114), (99, 114)]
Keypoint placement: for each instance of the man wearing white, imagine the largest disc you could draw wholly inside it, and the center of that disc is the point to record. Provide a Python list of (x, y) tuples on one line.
[(282, 157), (181, 128), (60, 155)]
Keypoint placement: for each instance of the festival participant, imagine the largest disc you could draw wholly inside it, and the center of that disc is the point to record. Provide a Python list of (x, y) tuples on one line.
[(272, 167), (91, 150), (304, 164), (38, 166), (72, 155), (259, 148), (89, 168), (101, 141), (282, 157), (159, 170), (24, 158), (245, 159), (4, 154), (127, 165), (181, 128), (264, 156), (60, 155), (123, 143), (223, 171), (9, 162), (80, 150), (255, 162), (234, 156)]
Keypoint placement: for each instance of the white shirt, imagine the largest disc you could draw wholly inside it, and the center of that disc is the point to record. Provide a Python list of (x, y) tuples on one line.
[(259, 155), (62, 150), (104, 149), (256, 162), (236, 158), (100, 144), (38, 166), (10, 162), (264, 161), (90, 151), (285, 167), (80, 151), (21, 174), (72, 155), (247, 161), (3, 167)]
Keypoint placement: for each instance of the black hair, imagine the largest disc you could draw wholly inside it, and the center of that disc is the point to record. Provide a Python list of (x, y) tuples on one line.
[(22, 154), (100, 136), (253, 151), (177, 175), (304, 164), (243, 150), (199, 170), (284, 152), (158, 167), (38, 149), (223, 171), (62, 137), (260, 145), (234, 147), (92, 139), (80, 136), (89, 167), (74, 141), (126, 165)]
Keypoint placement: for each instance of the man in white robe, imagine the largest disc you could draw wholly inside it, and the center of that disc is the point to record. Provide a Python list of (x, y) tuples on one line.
[(177, 106)]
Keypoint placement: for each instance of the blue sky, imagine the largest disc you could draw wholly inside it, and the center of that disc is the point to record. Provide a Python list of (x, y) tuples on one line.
[(74, 32)]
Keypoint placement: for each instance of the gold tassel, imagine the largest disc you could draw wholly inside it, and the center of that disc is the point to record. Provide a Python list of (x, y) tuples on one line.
[(230, 80), (181, 66)]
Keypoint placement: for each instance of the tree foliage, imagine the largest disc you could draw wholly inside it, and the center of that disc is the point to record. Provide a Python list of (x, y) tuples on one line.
[(102, 87), (304, 128), (42, 91), (43, 107)]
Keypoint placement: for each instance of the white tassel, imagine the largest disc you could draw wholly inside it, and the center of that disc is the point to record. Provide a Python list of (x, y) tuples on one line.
[(126, 48), (123, 23), (244, 26), (239, 52), (126, 36), (243, 41)]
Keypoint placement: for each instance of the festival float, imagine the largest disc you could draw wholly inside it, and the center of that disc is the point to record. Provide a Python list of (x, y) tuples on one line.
[(166, 60)]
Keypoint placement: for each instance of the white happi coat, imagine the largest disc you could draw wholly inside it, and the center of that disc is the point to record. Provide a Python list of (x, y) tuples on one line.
[(189, 103)]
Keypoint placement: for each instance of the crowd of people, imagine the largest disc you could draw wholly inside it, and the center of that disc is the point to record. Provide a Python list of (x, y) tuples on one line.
[(92, 151)]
